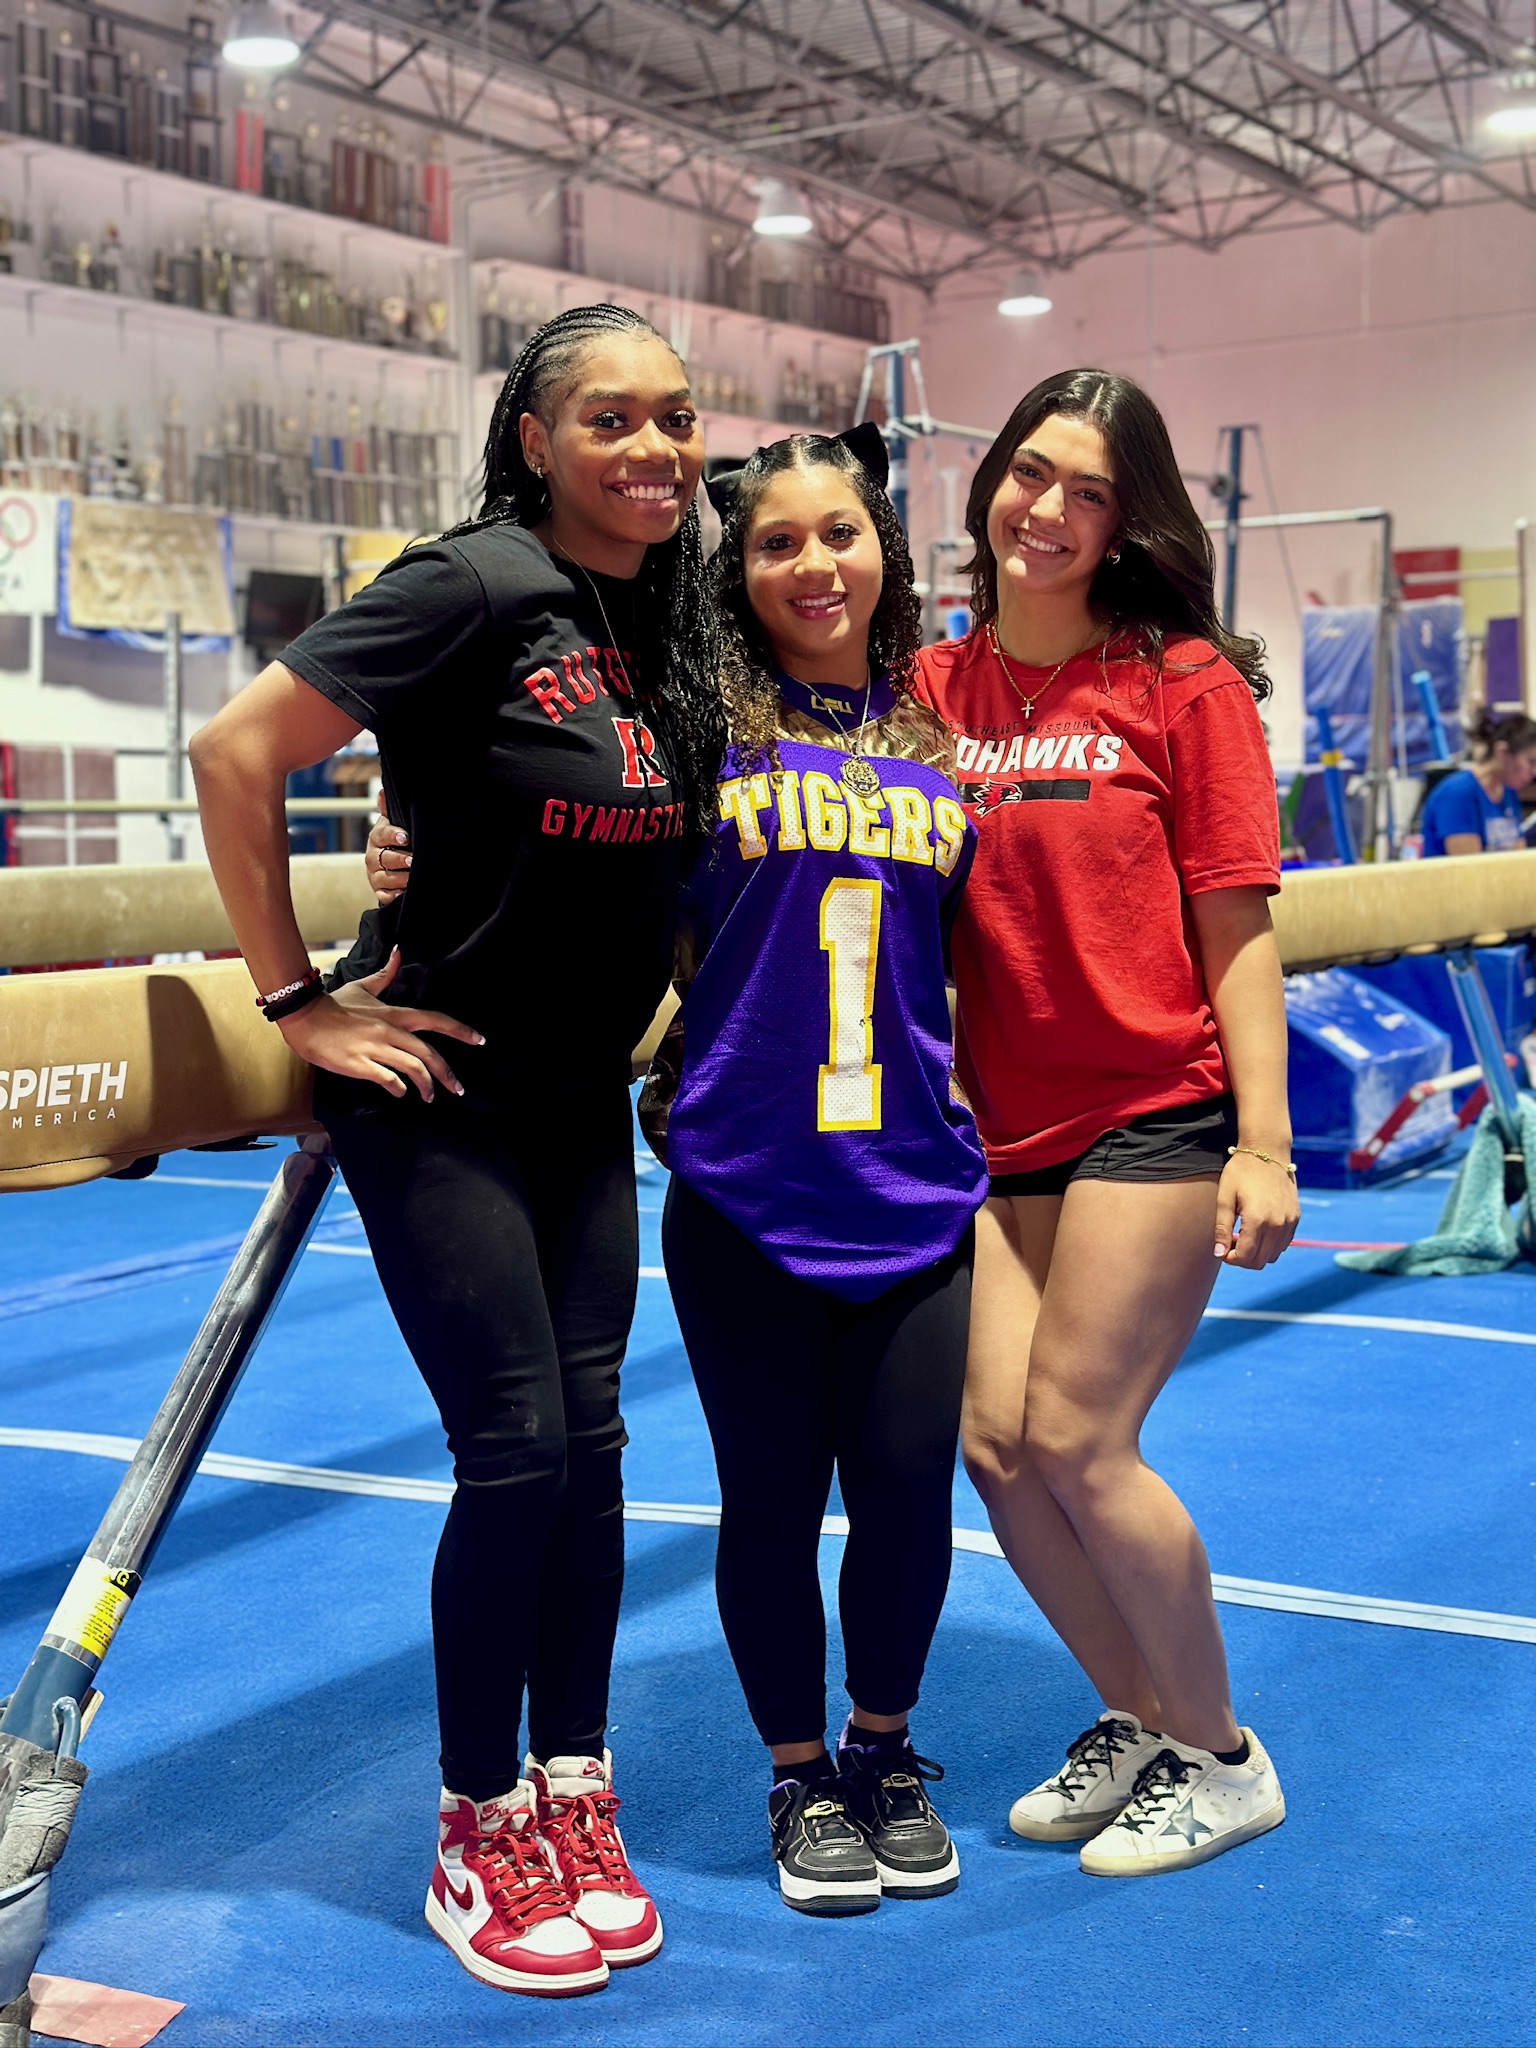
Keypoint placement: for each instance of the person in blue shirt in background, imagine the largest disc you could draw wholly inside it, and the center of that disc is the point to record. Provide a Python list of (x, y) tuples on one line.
[(1477, 810)]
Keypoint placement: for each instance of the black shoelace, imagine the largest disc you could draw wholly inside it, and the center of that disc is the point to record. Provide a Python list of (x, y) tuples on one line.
[(898, 1785), (1157, 1785), (1095, 1749)]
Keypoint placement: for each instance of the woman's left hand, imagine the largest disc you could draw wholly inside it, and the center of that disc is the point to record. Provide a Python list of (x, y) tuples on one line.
[(1263, 1199)]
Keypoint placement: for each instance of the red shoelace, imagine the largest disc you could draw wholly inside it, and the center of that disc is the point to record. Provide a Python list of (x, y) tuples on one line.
[(582, 1833), (518, 1880)]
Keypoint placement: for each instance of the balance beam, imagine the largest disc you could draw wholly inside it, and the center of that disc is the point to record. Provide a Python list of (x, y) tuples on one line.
[(101, 1067)]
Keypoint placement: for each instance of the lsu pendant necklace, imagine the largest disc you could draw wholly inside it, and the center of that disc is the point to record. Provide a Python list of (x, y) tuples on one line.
[(858, 775)]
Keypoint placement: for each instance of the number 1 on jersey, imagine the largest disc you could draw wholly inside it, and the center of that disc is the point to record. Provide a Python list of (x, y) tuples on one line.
[(848, 1086)]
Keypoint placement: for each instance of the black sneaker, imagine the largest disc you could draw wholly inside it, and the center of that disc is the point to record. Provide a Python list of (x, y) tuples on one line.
[(825, 1865), (912, 1850)]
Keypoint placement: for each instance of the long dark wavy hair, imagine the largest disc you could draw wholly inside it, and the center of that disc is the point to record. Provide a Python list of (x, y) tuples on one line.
[(1164, 584), (677, 671), (746, 660)]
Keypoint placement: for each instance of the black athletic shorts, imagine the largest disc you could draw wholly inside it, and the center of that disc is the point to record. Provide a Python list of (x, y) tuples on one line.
[(1165, 1144)]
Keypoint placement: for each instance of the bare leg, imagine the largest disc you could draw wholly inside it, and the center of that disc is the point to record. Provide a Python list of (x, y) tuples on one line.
[(1014, 1242), (1130, 1273)]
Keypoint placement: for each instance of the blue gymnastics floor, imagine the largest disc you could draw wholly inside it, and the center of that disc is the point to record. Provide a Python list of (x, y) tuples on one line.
[(256, 1835)]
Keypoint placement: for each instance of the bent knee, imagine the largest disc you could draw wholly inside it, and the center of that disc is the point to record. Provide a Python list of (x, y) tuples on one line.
[(521, 1453), (991, 1456), (1076, 1460)]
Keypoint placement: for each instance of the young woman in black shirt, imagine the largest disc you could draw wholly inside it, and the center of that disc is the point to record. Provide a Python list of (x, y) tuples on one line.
[(549, 731)]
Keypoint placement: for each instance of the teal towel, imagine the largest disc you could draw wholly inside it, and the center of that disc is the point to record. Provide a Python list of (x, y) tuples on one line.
[(1476, 1232)]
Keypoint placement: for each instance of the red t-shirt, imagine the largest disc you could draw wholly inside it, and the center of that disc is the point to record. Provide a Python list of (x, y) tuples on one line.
[(1082, 1002)]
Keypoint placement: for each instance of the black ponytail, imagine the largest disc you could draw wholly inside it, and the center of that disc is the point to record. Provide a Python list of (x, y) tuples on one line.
[(677, 674), (1514, 730)]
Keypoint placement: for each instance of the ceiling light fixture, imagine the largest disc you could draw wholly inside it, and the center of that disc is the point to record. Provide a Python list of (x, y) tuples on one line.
[(1025, 298), (781, 210), (259, 39), (1517, 120)]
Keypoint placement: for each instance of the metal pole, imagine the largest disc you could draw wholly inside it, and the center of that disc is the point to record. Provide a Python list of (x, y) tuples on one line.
[(1379, 766), (175, 844), (97, 1597), (895, 369), (1233, 526), (1525, 568), (1471, 993)]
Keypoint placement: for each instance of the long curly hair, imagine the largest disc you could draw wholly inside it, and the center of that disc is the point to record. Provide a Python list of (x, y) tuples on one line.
[(1164, 584), (677, 673), (746, 660)]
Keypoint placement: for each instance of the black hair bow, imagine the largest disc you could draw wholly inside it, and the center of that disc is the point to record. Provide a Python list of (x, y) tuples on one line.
[(864, 442)]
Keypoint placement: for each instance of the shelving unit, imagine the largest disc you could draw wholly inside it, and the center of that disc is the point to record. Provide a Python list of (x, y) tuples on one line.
[(716, 338), (135, 179)]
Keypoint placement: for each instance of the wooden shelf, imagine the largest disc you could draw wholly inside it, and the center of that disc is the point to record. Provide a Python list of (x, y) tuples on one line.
[(117, 170), (154, 315)]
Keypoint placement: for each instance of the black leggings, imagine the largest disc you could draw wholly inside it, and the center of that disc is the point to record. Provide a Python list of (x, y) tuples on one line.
[(509, 1256), (794, 1380)]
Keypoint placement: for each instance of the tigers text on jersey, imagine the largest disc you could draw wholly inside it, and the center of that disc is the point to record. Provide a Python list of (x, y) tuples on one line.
[(814, 1107), (1082, 1002)]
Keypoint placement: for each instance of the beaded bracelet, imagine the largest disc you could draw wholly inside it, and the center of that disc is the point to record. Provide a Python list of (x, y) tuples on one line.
[(1268, 1158), (297, 995)]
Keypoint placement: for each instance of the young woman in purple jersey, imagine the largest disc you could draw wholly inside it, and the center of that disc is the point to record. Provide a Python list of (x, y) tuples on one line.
[(534, 670), (824, 1179)]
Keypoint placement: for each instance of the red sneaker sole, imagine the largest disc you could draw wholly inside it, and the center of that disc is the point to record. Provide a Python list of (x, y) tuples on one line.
[(628, 1958), (572, 1985)]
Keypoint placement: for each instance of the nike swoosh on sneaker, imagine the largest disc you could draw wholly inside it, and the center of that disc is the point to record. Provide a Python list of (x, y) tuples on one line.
[(465, 1900)]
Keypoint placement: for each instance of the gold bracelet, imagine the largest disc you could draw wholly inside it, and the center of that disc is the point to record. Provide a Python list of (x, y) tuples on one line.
[(1267, 1157)]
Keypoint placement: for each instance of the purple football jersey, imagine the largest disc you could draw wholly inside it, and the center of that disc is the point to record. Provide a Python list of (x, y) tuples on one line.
[(814, 1106)]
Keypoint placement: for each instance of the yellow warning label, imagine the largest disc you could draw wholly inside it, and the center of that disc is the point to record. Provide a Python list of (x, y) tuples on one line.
[(94, 1602)]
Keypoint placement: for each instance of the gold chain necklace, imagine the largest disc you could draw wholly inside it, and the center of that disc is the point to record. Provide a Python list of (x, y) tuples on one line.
[(857, 774), (1029, 703)]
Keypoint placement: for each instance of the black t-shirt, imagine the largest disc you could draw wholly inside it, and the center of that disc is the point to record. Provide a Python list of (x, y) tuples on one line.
[(544, 824)]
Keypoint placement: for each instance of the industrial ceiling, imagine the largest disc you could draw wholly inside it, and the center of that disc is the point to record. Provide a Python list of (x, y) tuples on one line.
[(932, 137)]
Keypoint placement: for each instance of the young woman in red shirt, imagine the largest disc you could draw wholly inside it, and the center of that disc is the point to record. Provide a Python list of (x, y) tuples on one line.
[(1122, 1040)]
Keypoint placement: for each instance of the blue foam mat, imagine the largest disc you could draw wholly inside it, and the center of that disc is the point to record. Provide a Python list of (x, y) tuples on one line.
[(257, 1831)]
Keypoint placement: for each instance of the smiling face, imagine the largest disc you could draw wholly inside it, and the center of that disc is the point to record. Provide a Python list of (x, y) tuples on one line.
[(1055, 515), (813, 568), (622, 452)]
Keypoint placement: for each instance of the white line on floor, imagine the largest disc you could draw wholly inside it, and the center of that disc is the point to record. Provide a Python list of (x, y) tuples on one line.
[(1409, 1325), (1458, 1621), (206, 1180)]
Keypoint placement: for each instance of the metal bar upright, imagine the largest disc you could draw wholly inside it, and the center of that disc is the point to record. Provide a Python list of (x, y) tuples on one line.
[(176, 845), (97, 1597), (1471, 993)]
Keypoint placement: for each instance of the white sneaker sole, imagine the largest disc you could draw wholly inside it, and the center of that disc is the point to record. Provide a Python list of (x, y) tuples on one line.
[(1081, 1829), (531, 1984), (828, 1898), (920, 1884), (1181, 1859)]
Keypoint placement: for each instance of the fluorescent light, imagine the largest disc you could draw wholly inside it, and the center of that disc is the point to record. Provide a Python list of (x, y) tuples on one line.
[(781, 210), (1513, 123), (1025, 298), (259, 39)]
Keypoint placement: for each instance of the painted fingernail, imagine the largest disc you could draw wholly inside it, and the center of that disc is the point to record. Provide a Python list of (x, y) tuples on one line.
[(478, 1039)]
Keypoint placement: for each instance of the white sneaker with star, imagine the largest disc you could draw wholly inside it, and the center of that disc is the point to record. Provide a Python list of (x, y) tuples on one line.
[(1187, 1807), (1092, 1785)]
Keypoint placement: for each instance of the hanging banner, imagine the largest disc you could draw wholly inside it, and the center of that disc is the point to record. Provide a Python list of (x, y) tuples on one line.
[(123, 567), (29, 552)]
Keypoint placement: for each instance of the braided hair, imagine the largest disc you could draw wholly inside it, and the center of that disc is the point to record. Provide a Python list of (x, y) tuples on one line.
[(746, 661), (677, 671)]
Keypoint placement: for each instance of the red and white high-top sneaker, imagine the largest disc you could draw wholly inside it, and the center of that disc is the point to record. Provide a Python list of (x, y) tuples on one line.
[(498, 1901), (577, 1806)]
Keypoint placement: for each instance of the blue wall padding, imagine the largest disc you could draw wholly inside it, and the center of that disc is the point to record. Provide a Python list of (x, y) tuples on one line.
[(1502, 655), (1337, 649), (1424, 984), (1354, 1053)]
